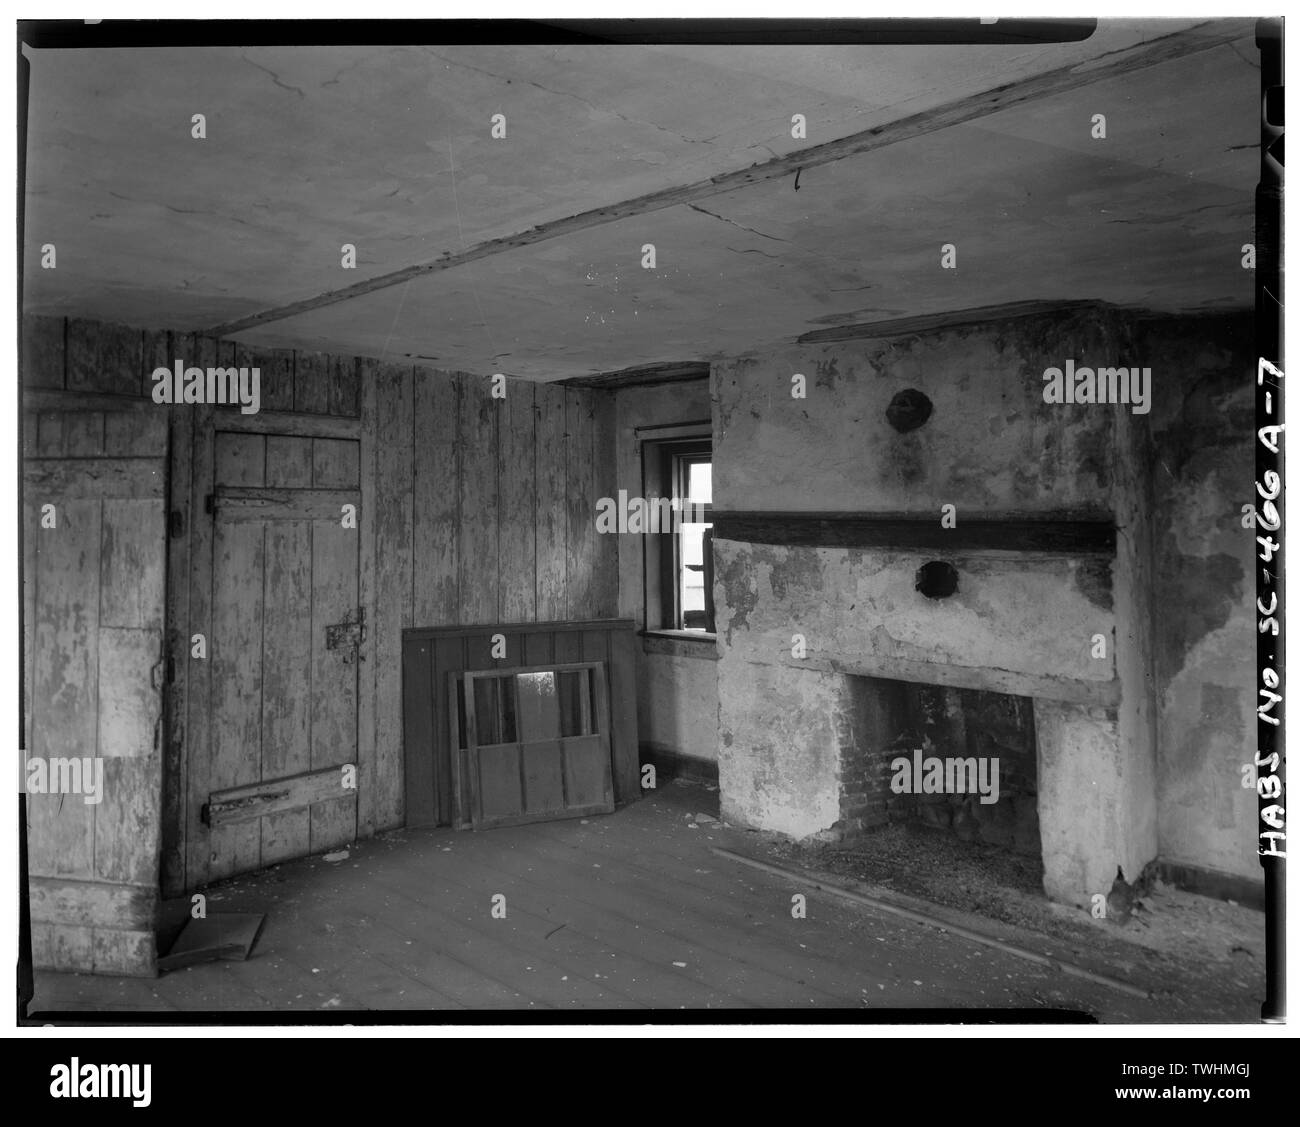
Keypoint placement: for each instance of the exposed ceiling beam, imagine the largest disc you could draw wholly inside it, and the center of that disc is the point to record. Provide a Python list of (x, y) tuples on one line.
[(645, 376), (926, 322), (1191, 41)]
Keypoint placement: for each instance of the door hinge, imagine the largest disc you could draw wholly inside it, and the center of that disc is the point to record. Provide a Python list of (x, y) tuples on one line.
[(176, 524)]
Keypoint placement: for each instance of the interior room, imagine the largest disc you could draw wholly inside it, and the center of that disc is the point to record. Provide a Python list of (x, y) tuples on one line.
[(552, 471)]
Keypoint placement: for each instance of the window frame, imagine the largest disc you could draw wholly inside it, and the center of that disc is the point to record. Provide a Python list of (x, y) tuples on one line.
[(464, 719), (664, 473)]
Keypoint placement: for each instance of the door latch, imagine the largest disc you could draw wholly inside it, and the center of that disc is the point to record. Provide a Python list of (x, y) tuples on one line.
[(348, 634)]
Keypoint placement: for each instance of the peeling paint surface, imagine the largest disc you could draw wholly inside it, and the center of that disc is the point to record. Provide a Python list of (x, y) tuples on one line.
[(836, 450), (1024, 616), (1205, 628)]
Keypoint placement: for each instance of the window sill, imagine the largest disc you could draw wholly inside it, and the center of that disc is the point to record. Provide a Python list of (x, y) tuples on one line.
[(680, 643)]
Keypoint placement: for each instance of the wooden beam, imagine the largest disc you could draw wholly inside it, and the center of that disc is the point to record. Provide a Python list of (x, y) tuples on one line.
[(1191, 41), (102, 479), (890, 531), (250, 502), (258, 503), (276, 796), (287, 422), (931, 322), (223, 418), (678, 371), (56, 399), (509, 628)]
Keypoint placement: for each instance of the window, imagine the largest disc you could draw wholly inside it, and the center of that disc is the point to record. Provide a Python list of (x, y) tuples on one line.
[(512, 707), (679, 558), (533, 743)]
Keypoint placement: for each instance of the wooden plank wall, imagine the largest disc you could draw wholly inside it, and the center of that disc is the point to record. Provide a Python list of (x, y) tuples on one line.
[(475, 509), (93, 589), (485, 514)]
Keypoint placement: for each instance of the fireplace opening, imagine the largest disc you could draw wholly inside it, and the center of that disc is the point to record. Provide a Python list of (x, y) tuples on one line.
[(934, 759)]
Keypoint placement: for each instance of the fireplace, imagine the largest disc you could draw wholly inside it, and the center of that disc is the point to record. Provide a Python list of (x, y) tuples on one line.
[(958, 761), (835, 661)]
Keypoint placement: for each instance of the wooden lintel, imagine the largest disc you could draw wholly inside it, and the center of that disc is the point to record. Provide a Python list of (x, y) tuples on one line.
[(1189, 41), (295, 792)]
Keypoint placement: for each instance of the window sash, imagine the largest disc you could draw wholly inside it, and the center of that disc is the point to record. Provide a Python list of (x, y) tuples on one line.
[(665, 470)]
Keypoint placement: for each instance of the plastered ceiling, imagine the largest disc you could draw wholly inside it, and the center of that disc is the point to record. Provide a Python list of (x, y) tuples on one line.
[(389, 149)]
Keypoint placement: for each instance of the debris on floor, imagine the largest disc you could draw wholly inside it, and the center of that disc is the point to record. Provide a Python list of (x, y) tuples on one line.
[(222, 935)]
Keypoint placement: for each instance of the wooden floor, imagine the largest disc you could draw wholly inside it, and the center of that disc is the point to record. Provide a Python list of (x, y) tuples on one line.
[(629, 911)]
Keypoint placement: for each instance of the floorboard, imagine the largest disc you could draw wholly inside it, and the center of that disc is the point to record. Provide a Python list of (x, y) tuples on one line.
[(629, 911)]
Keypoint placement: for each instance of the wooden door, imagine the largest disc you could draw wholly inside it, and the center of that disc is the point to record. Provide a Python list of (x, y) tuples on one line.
[(537, 743), (94, 487), (284, 652)]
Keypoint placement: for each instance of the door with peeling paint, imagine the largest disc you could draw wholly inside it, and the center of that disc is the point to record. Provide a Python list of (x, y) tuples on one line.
[(283, 653), (94, 488)]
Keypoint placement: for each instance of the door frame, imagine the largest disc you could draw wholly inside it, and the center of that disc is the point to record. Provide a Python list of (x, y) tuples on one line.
[(191, 543)]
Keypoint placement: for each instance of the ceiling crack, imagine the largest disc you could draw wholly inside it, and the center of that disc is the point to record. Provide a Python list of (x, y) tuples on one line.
[(569, 94), (751, 230), (752, 250), (274, 77)]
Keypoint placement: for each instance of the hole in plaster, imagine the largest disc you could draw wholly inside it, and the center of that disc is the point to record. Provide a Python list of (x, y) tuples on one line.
[(936, 579), (908, 410)]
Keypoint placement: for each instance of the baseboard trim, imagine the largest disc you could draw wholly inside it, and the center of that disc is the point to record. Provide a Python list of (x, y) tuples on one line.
[(672, 764), (1210, 882)]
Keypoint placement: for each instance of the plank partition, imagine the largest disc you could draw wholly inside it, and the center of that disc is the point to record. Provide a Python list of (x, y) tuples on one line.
[(471, 508)]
